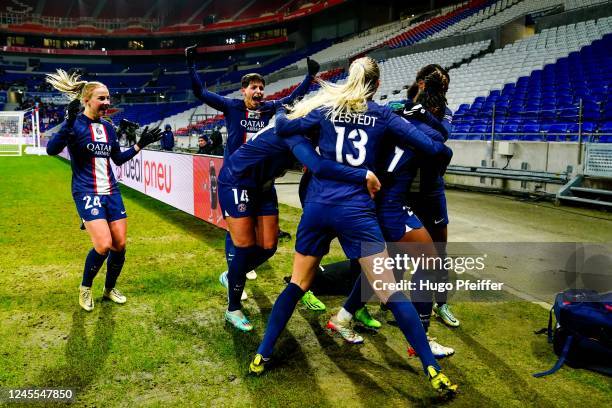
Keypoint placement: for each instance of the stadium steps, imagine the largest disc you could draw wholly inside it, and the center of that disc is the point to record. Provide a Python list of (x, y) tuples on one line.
[(432, 26), (398, 72), (472, 57), (469, 22), (521, 59), (579, 190)]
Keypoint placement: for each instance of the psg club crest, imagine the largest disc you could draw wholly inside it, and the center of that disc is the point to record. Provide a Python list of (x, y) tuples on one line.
[(99, 133), (242, 207), (95, 212)]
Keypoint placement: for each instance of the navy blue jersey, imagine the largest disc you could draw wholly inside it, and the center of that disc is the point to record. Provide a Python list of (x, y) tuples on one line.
[(397, 167), (266, 156), (354, 139), (91, 145), (430, 179), (243, 123)]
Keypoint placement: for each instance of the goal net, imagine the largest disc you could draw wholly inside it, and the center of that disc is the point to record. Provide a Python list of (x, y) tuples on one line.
[(18, 128)]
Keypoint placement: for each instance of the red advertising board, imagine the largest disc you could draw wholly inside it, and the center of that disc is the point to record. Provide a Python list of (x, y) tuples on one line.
[(205, 195)]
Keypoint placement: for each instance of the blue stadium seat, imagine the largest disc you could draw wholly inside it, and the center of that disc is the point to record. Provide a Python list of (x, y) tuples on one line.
[(479, 129), (461, 128), (534, 138), (558, 128), (510, 128), (531, 128), (605, 127), (587, 127), (605, 139)]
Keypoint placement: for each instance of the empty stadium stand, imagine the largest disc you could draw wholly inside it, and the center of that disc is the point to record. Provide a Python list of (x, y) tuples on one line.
[(518, 59), (555, 82), (399, 72)]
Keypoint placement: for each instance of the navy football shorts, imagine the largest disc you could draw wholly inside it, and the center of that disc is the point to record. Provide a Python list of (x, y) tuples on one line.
[(397, 220), (99, 207), (356, 228), (430, 208), (238, 202)]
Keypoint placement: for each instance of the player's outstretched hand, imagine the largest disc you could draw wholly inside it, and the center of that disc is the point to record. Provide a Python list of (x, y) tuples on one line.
[(149, 136), (72, 110), (313, 66), (191, 53), (372, 183)]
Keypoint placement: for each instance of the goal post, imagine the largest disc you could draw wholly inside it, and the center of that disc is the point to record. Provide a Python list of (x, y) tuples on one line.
[(12, 134), (19, 128)]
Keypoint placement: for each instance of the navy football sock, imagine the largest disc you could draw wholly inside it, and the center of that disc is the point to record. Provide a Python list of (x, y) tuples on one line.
[(229, 249), (113, 268), (442, 277), (353, 302), (421, 296), (409, 323), (244, 257), (93, 263), (281, 313), (262, 256)]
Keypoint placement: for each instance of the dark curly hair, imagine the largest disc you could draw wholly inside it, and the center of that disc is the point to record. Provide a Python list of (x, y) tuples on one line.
[(433, 96)]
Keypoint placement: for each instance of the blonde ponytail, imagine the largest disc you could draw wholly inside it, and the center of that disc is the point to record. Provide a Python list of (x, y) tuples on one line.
[(71, 85), (350, 97)]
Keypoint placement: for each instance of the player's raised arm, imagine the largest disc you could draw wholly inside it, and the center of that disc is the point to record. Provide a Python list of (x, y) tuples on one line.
[(146, 138), (408, 136), (287, 127), (302, 89), (447, 121), (418, 112), (61, 139), (213, 100)]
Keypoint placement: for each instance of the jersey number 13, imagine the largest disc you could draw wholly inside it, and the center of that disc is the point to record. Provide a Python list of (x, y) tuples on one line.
[(358, 138)]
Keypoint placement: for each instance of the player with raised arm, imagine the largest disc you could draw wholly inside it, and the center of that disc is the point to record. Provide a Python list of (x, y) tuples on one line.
[(352, 128), (244, 188), (244, 118), (92, 143), (398, 221)]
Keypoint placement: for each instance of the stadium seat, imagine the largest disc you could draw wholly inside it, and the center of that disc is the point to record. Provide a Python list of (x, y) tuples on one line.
[(548, 95)]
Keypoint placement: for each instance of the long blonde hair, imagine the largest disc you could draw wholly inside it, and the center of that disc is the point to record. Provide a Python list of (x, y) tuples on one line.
[(71, 85), (350, 97)]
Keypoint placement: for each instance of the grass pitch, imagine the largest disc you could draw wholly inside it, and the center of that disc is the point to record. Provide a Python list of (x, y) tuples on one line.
[(169, 346)]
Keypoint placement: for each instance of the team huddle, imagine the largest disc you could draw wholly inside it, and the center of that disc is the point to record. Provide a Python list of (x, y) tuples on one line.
[(374, 175)]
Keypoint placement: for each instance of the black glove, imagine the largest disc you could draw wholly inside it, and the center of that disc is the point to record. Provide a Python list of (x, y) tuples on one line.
[(72, 110), (149, 136), (191, 53), (313, 66)]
